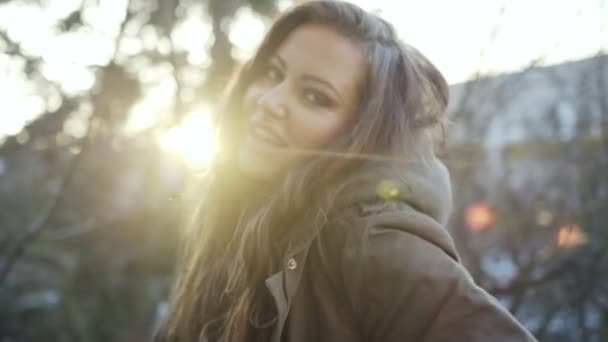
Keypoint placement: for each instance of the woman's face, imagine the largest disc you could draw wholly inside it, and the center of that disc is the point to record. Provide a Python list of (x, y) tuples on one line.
[(304, 98)]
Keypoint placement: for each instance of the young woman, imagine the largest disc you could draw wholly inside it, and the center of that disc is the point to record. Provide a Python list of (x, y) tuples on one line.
[(322, 217)]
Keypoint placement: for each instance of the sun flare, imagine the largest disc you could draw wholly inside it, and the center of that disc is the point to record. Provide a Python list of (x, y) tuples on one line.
[(193, 140)]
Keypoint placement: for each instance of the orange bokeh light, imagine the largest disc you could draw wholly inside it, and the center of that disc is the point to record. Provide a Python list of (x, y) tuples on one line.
[(570, 235), (480, 216)]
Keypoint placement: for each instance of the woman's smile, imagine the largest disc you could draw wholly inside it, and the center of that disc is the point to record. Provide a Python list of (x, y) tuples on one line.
[(264, 135)]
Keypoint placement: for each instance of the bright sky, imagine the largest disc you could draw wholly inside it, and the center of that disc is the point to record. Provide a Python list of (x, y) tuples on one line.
[(460, 37)]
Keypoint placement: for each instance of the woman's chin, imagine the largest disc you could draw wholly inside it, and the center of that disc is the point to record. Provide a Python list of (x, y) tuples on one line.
[(257, 165), (260, 160)]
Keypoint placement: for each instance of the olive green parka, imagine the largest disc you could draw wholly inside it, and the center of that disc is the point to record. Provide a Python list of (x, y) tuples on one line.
[(385, 269)]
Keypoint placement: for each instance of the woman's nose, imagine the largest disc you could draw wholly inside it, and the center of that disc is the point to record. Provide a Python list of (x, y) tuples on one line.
[(273, 101)]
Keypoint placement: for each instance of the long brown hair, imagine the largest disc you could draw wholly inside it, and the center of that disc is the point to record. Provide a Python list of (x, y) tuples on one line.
[(239, 234)]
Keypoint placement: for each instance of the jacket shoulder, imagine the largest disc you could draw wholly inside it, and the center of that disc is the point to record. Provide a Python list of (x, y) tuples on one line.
[(404, 278)]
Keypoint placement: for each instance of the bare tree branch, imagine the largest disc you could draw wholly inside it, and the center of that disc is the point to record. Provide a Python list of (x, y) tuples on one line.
[(40, 222), (71, 231), (523, 283)]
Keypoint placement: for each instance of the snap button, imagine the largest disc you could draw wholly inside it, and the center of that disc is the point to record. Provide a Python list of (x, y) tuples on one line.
[(292, 264)]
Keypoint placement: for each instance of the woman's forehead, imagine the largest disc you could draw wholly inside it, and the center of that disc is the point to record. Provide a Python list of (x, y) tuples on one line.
[(320, 49)]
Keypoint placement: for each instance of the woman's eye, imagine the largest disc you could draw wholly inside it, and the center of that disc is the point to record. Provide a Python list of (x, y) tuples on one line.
[(317, 98), (273, 73)]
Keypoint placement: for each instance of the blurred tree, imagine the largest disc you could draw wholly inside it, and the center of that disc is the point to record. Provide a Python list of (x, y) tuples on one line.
[(90, 211), (544, 256)]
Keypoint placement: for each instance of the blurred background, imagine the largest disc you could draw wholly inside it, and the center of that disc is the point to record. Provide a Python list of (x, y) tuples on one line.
[(104, 125)]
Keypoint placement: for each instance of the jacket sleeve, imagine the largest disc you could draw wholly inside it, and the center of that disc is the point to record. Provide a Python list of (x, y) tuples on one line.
[(404, 288)]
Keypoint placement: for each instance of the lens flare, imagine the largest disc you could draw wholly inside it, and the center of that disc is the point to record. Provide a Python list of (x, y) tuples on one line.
[(570, 236), (387, 190), (193, 140), (480, 216)]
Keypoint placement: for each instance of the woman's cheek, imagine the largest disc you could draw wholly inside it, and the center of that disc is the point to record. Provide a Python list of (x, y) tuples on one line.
[(312, 130)]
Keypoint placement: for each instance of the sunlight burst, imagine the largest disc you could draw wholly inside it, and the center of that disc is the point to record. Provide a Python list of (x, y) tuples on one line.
[(193, 140)]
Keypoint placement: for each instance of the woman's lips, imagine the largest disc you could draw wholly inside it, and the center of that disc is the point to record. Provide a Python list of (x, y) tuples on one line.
[(267, 136)]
